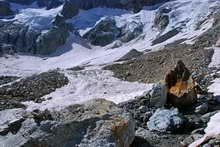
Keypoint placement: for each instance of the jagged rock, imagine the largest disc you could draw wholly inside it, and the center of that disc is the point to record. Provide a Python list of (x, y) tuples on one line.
[(131, 31), (70, 9), (165, 120), (97, 123), (5, 9), (48, 42), (103, 33), (130, 55), (162, 18), (181, 86), (28, 39)]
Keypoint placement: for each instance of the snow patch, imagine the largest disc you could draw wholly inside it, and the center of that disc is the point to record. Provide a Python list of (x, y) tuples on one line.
[(90, 84)]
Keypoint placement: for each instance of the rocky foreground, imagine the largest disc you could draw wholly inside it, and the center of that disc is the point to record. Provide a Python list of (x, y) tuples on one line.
[(174, 113)]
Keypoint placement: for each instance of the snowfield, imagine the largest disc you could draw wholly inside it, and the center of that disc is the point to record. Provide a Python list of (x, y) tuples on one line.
[(93, 82), (90, 84)]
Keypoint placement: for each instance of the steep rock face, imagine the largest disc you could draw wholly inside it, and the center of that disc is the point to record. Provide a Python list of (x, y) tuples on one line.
[(5, 9), (26, 39), (104, 32), (97, 123)]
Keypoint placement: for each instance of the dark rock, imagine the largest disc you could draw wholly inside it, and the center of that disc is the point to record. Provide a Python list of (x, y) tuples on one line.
[(48, 42), (7, 49), (130, 55), (162, 18), (181, 86), (103, 33), (5, 9), (165, 120), (166, 36), (158, 95), (97, 123), (23, 38)]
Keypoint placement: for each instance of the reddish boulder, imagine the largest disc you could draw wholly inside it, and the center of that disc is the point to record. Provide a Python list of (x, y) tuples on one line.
[(180, 86)]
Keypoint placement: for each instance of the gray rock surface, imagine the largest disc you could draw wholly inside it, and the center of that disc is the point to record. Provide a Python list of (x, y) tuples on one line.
[(131, 31), (5, 9), (165, 120), (26, 39), (158, 95), (103, 33), (97, 123), (162, 18)]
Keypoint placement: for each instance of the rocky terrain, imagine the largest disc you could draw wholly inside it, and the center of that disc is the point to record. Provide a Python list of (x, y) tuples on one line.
[(109, 73)]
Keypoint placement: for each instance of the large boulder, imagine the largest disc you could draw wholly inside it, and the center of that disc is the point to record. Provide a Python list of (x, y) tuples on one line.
[(5, 9), (103, 33), (166, 120), (97, 123), (181, 86)]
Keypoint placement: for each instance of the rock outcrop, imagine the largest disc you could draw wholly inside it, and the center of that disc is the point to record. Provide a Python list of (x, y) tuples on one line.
[(104, 32), (181, 87), (162, 18), (27, 39), (97, 123), (5, 9)]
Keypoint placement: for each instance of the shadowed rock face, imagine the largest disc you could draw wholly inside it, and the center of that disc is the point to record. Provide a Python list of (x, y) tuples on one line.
[(181, 86), (5, 9)]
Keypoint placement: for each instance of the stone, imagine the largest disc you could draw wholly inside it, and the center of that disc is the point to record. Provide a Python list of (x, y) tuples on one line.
[(165, 120), (103, 33), (158, 95), (96, 123), (181, 86), (202, 109)]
